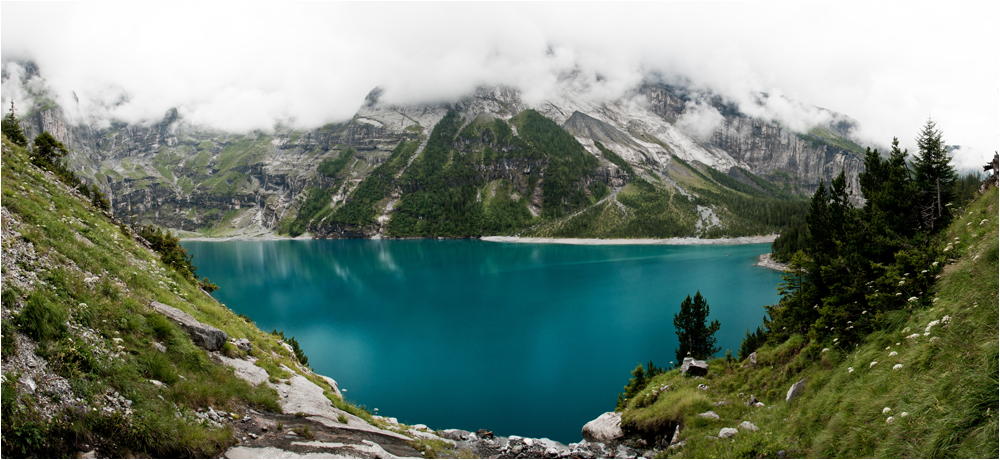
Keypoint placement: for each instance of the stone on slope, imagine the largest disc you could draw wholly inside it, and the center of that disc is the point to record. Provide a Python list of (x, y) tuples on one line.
[(691, 366), (606, 429), (203, 335), (795, 390), (748, 426), (727, 432), (710, 414)]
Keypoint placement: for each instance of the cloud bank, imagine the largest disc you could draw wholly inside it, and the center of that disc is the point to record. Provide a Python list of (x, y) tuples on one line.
[(242, 66)]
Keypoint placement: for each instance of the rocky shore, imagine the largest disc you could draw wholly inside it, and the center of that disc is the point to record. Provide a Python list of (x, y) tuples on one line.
[(766, 261)]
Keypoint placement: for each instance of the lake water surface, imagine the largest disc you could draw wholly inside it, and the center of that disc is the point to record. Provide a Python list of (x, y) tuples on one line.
[(527, 339)]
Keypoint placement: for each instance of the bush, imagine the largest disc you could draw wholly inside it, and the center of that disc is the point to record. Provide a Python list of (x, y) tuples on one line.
[(42, 318)]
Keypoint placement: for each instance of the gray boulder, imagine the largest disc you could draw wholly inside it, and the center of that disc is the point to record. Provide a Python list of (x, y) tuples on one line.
[(203, 335), (692, 366), (606, 429), (710, 414), (795, 390), (727, 432), (748, 426)]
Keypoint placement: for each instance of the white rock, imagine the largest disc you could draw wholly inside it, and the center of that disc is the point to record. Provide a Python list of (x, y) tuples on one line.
[(727, 432), (607, 428), (748, 426), (710, 415)]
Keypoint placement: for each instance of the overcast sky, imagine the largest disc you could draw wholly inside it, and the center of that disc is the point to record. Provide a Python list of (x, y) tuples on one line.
[(238, 66)]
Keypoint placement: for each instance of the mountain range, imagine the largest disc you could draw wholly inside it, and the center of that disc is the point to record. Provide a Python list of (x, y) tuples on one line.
[(661, 161)]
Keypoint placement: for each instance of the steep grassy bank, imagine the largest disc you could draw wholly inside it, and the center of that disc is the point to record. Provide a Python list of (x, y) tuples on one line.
[(925, 384), (89, 365)]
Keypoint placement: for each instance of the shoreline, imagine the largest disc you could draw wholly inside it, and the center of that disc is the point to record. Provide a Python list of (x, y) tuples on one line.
[(689, 241), (766, 261), (681, 241)]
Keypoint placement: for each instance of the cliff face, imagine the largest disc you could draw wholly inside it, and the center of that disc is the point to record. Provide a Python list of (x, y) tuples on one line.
[(216, 183), (766, 148)]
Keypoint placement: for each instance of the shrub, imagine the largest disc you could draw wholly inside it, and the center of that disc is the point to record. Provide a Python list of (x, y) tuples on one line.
[(42, 319)]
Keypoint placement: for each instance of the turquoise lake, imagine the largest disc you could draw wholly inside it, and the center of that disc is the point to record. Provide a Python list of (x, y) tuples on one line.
[(527, 339)]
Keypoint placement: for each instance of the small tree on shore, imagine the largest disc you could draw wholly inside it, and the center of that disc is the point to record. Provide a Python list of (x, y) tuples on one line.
[(695, 336)]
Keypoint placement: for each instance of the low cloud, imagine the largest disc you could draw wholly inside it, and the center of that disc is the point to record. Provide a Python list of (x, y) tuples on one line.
[(699, 120), (312, 63)]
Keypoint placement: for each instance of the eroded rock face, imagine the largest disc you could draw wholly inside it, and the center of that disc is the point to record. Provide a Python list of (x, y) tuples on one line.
[(203, 335), (606, 429)]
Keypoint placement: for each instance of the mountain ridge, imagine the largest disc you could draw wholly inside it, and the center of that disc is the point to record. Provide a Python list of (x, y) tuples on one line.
[(215, 183)]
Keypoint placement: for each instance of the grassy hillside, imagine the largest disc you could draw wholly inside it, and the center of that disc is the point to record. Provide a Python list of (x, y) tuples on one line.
[(87, 364), (923, 385)]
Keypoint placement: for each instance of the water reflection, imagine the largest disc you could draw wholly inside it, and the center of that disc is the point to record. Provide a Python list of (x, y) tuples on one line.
[(525, 339)]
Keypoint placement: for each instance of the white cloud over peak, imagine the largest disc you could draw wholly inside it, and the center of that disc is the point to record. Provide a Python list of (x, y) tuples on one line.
[(240, 66)]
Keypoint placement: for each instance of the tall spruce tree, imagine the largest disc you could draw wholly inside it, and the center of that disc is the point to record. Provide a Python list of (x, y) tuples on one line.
[(694, 335), (935, 178)]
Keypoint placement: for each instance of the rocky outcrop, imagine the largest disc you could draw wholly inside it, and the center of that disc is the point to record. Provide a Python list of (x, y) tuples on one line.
[(203, 335), (606, 429), (694, 367)]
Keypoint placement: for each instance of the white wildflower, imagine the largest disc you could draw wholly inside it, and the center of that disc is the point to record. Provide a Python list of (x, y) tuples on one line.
[(825, 350), (934, 339), (946, 319), (850, 369), (923, 271), (887, 348), (890, 420), (913, 336), (872, 364), (936, 299), (906, 274), (864, 312), (904, 414), (893, 353), (905, 330), (886, 410), (984, 222), (912, 299), (902, 283), (935, 264), (897, 367)]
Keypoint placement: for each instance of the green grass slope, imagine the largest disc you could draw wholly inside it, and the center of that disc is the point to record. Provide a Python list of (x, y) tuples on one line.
[(79, 337), (923, 386)]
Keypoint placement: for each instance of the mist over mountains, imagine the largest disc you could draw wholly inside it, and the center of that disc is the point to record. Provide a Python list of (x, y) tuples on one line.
[(310, 64)]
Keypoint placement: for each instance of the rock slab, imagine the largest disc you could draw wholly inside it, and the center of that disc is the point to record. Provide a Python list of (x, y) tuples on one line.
[(203, 335), (606, 429), (795, 390)]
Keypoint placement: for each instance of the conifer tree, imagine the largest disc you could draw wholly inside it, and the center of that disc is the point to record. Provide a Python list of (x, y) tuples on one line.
[(935, 178), (12, 128), (694, 335)]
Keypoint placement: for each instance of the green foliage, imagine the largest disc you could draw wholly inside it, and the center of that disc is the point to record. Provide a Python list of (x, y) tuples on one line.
[(43, 317), (934, 178), (300, 356), (316, 200), (696, 337), (12, 128), (362, 206), (330, 167), (48, 149), (568, 163), (440, 189), (169, 248)]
